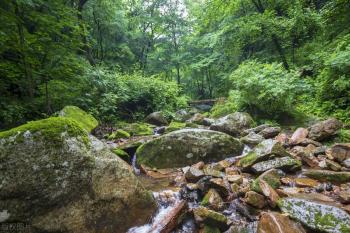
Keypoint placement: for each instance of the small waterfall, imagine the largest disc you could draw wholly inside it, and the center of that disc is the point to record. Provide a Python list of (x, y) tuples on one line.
[(134, 165)]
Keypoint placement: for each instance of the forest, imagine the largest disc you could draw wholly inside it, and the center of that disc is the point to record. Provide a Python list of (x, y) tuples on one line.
[(175, 116)]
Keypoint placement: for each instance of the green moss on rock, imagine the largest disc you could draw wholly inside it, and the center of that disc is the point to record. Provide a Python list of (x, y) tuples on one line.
[(52, 129), (119, 134), (138, 129), (86, 120), (122, 154), (173, 126), (330, 176)]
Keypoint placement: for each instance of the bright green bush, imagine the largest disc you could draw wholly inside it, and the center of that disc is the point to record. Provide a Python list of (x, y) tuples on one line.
[(267, 90)]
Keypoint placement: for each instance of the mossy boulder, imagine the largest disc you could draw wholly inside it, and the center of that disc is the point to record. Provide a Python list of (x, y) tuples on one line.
[(118, 134), (272, 177), (328, 176), (318, 216), (122, 154), (263, 151), (84, 119), (138, 129), (173, 126), (156, 118), (188, 146), (54, 174), (233, 124), (210, 218), (286, 164)]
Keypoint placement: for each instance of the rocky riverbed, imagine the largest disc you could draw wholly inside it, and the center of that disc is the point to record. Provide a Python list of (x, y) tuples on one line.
[(194, 174)]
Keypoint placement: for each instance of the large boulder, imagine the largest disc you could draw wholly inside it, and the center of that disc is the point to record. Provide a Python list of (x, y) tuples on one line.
[(233, 124), (84, 119), (324, 130), (156, 118), (271, 222), (57, 178), (188, 146), (316, 215)]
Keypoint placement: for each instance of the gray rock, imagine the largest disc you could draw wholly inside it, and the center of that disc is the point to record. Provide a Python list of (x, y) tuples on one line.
[(318, 216), (256, 129), (324, 130), (233, 124), (188, 146), (270, 132), (252, 139), (284, 163), (156, 118), (53, 174)]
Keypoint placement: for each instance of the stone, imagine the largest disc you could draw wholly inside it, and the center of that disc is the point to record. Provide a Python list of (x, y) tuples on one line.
[(324, 130), (84, 119), (272, 177), (328, 176), (270, 132), (340, 151), (285, 163), (233, 124), (306, 182), (346, 163), (219, 185), (118, 134), (256, 130), (255, 199), (252, 139), (173, 126), (60, 175), (282, 138), (193, 174), (306, 155), (208, 171), (122, 154), (316, 215), (298, 136), (208, 121), (237, 179), (182, 115), (344, 197), (334, 166), (231, 171), (209, 229), (265, 150), (271, 222), (213, 200), (156, 118), (196, 119), (138, 129), (269, 192), (210, 218), (188, 146), (308, 141)]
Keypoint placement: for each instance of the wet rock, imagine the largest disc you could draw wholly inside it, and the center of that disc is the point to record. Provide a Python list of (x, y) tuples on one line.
[(324, 130), (306, 182), (213, 172), (298, 136), (252, 139), (272, 177), (255, 199), (210, 218), (266, 149), (278, 223), (213, 200), (285, 163), (270, 132), (340, 152), (326, 175), (60, 175), (156, 118), (188, 146), (317, 216), (233, 124), (193, 174)]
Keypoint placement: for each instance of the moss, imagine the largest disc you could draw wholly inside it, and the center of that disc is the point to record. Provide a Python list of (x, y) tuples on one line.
[(50, 129), (119, 134), (87, 121), (210, 229), (330, 176), (248, 160), (173, 126), (191, 125), (122, 154), (138, 129)]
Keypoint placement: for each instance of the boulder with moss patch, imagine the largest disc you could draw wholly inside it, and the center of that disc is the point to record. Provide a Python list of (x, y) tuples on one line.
[(188, 146), (233, 124), (118, 134), (86, 120), (138, 129), (173, 126), (329, 176), (53, 174), (318, 216)]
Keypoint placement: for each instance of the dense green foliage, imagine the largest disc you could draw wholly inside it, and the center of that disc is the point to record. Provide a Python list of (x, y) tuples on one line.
[(121, 59)]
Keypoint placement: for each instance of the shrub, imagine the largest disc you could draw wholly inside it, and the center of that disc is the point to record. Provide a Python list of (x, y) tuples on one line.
[(267, 90)]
